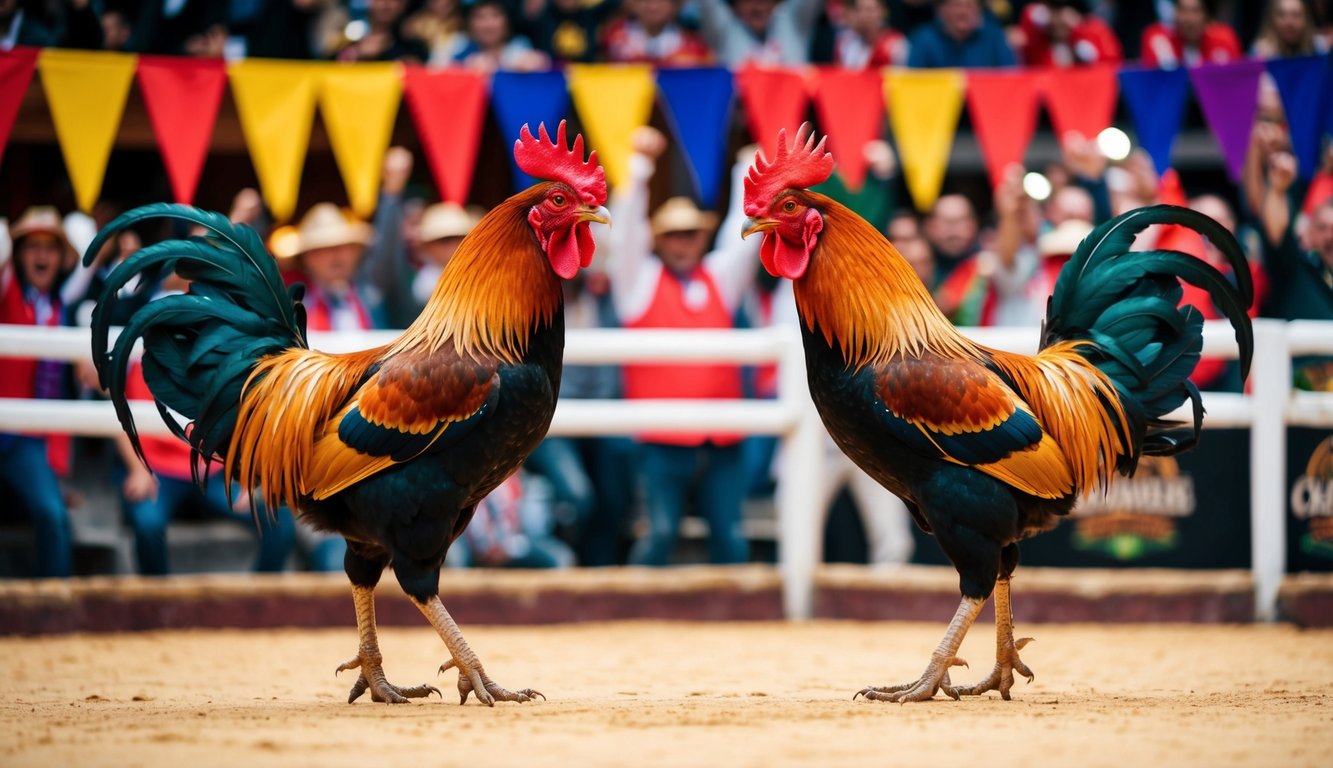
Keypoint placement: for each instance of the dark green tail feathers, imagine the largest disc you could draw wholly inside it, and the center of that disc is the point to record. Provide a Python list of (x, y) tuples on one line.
[(1128, 304), (200, 346)]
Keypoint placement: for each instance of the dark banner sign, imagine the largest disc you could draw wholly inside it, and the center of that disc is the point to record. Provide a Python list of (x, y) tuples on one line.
[(1187, 511), (1309, 500)]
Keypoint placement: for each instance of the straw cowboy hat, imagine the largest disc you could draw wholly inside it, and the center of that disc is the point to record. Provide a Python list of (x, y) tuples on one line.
[(326, 225), (445, 220), (680, 214), (1064, 239), (40, 220)]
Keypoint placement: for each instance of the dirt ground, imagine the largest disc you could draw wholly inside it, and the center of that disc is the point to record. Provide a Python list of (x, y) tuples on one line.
[(673, 694)]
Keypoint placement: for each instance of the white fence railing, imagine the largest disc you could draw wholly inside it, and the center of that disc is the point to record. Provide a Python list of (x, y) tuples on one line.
[(1267, 410)]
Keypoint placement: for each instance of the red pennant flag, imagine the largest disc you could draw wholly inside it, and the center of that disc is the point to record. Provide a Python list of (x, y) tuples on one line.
[(850, 105), (16, 69), (1081, 99), (773, 99), (449, 109), (182, 97), (1003, 106)]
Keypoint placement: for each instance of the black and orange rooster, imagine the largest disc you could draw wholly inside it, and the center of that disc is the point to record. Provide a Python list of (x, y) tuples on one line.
[(986, 447), (392, 447)]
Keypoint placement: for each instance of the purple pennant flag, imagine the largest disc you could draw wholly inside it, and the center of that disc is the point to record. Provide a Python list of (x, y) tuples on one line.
[(1229, 97), (1303, 83), (532, 98)]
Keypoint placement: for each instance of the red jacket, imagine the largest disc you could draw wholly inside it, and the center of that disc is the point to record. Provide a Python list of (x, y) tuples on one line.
[(1163, 48), (1091, 42)]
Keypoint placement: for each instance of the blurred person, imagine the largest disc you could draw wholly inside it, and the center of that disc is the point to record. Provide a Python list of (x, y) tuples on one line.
[(650, 31), (663, 276), (442, 228), (961, 35), (275, 29), (439, 26), (1288, 30), (383, 38), (180, 28), (30, 295), (951, 230), (1063, 33), (763, 32), (565, 30), (491, 45), (904, 231), (1192, 38), (512, 528), (117, 29), (864, 39), (68, 24)]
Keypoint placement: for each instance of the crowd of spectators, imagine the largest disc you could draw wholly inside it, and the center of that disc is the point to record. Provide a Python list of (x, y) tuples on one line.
[(989, 259), (525, 35)]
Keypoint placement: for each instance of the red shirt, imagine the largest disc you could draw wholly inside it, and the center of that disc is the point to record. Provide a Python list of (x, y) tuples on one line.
[(626, 41), (1091, 42), (1163, 47)]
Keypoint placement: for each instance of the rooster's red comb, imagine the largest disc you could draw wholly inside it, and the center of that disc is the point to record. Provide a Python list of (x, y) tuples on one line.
[(545, 159), (798, 165)]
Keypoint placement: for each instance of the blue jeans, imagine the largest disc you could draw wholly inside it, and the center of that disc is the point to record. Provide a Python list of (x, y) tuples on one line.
[(148, 519), (559, 461), (24, 467), (714, 477)]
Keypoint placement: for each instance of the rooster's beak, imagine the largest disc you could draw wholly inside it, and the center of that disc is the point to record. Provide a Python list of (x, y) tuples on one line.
[(599, 215), (757, 225)]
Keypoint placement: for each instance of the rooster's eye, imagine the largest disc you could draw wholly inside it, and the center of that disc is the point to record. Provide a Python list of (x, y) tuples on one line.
[(789, 206), (558, 200)]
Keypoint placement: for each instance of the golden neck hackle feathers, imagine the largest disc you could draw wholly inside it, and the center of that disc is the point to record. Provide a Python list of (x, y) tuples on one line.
[(496, 289), (868, 302)]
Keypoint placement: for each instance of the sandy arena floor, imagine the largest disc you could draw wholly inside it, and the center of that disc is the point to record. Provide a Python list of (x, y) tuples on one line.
[(673, 694)]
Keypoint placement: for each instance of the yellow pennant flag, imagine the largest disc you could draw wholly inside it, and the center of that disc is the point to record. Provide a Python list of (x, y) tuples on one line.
[(275, 101), (86, 92), (612, 101), (924, 105), (359, 104)]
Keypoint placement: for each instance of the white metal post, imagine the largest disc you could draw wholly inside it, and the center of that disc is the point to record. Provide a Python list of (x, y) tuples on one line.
[(798, 494), (1271, 379)]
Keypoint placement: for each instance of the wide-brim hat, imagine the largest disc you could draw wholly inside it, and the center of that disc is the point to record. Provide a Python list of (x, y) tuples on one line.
[(680, 214), (40, 220), (326, 225), (445, 220), (1064, 239)]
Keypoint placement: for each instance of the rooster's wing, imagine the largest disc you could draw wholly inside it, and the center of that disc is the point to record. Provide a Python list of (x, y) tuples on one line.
[(408, 404), (960, 411)]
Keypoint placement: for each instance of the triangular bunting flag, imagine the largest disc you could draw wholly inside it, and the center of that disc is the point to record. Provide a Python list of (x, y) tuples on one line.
[(773, 99), (698, 110), (86, 91), (850, 105), (449, 110), (612, 101), (1228, 95), (275, 101), (1304, 84), (924, 105), (1080, 99), (533, 98), (1003, 106), (1156, 100), (182, 96), (359, 104), (16, 68)]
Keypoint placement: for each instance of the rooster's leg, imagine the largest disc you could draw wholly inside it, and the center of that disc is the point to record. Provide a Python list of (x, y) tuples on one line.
[(936, 676), (471, 677), (368, 658), (1006, 650)]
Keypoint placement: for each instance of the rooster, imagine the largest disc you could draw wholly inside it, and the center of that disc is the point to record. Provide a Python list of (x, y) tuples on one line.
[(393, 447), (986, 447)]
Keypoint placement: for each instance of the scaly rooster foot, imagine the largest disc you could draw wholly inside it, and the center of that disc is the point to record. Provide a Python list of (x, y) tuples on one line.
[(475, 680), (372, 679), (935, 678), (1002, 677)]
